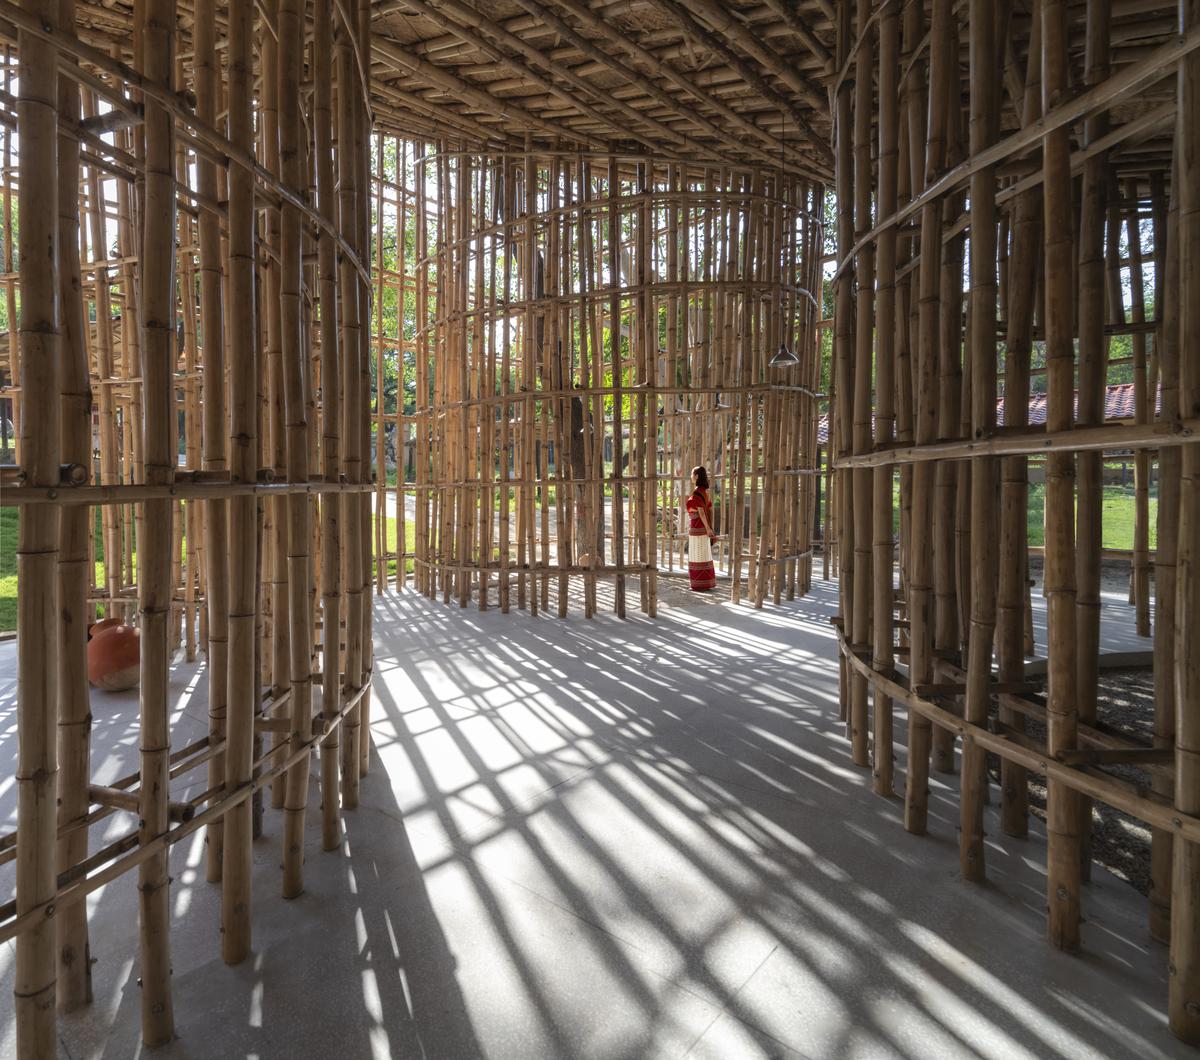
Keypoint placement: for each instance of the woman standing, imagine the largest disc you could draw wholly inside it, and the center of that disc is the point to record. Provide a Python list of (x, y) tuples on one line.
[(700, 534)]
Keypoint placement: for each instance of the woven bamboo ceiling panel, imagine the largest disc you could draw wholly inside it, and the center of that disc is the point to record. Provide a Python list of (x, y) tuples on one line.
[(706, 80)]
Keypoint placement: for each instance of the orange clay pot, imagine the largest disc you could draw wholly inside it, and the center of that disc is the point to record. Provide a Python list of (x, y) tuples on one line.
[(113, 656), (103, 624)]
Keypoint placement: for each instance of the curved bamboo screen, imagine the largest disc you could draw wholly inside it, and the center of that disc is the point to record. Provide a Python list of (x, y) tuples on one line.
[(193, 361), (1063, 193), (571, 334)]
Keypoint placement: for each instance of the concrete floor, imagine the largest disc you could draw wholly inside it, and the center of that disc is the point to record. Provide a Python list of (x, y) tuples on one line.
[(614, 840)]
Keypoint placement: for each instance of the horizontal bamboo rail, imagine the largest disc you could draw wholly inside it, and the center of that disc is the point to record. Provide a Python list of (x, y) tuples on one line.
[(1107, 789), (80, 889)]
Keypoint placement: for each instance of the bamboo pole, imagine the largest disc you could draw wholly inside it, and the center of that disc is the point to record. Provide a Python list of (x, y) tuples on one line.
[(916, 800), (984, 126), (216, 544), (330, 530), (243, 669), (1092, 374), (74, 708), (157, 324), (290, 26), (1165, 562), (864, 332), (842, 409), (350, 321), (1143, 400), (1062, 826), (366, 603), (35, 985), (886, 368), (1184, 983), (1012, 592)]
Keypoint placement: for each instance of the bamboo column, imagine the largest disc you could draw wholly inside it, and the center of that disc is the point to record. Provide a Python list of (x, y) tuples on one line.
[(38, 538), (74, 705), (157, 325), (985, 121), (886, 357), (864, 333), (1143, 408), (299, 563), (1092, 374), (216, 543), (351, 323), (1062, 825), (1165, 564), (1184, 982), (243, 668), (331, 401), (916, 797), (842, 407), (1012, 594)]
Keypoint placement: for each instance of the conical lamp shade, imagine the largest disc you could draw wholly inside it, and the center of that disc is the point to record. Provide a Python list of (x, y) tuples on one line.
[(784, 358)]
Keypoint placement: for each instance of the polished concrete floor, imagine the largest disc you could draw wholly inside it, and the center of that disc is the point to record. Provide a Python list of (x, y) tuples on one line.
[(615, 839)]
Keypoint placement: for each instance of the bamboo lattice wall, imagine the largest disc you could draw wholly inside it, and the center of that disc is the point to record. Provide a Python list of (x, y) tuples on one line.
[(188, 297), (1019, 186), (571, 334)]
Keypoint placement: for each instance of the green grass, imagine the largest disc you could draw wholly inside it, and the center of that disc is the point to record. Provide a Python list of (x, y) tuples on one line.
[(410, 544), (1119, 502), (8, 569)]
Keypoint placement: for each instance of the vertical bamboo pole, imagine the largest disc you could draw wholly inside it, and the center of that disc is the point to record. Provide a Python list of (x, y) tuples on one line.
[(1013, 593), (10, 292), (74, 706), (1184, 982), (1143, 405), (984, 127), (841, 406), (615, 321), (299, 563), (351, 320), (38, 539), (331, 586), (106, 371), (916, 798), (157, 325), (1092, 374), (216, 544), (366, 603), (864, 332), (1166, 341), (508, 436), (1062, 825), (275, 415), (949, 587), (885, 387), (243, 670)]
